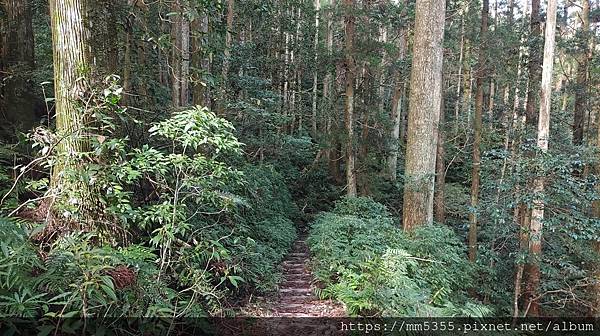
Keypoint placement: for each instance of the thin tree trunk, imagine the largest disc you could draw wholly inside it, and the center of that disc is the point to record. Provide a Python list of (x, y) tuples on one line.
[(17, 63), (315, 73), (595, 288), (460, 73), (423, 114), (332, 157), (477, 126), (227, 55), (349, 104), (176, 54), (537, 213), (467, 98), (402, 107), (492, 97), (440, 169), (581, 92), (396, 115), (127, 55), (200, 59), (534, 68), (184, 93)]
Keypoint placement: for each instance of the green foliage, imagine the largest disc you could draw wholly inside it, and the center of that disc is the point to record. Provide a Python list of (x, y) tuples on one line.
[(266, 218), (364, 260), (180, 229)]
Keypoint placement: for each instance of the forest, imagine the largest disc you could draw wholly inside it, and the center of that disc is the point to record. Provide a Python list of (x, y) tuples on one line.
[(290, 158)]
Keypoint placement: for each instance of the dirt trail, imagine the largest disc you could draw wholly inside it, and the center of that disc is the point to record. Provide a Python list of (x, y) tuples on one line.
[(296, 296), (294, 310)]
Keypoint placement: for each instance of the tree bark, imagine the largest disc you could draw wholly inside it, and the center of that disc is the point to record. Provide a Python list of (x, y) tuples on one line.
[(423, 113), (73, 71), (581, 92), (16, 66), (595, 288), (129, 41), (537, 213), (534, 67), (396, 115), (459, 85), (440, 169), (176, 54), (201, 61), (315, 73), (477, 127), (328, 106), (184, 92), (349, 103), (227, 54)]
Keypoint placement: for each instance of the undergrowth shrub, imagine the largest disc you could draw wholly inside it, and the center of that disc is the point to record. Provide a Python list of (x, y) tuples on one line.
[(266, 219), (185, 223), (363, 258)]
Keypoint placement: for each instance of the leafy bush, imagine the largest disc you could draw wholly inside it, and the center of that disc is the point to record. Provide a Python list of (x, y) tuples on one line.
[(175, 229), (366, 261), (265, 218)]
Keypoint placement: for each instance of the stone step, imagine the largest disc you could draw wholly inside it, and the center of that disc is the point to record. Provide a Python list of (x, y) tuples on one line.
[(295, 308), (298, 254), (287, 267), (298, 315), (297, 299), (296, 291), (299, 248), (294, 261), (301, 276), (302, 283)]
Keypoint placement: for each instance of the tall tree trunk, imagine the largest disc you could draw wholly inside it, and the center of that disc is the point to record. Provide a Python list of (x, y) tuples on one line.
[(535, 60), (537, 213), (423, 113), (184, 92), (200, 60), (396, 115), (315, 73), (227, 55), (581, 92), (459, 85), (534, 67), (127, 64), (328, 106), (440, 169), (176, 54), (180, 63), (105, 38), (285, 75), (349, 104), (73, 71), (477, 127), (595, 288), (16, 66)]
